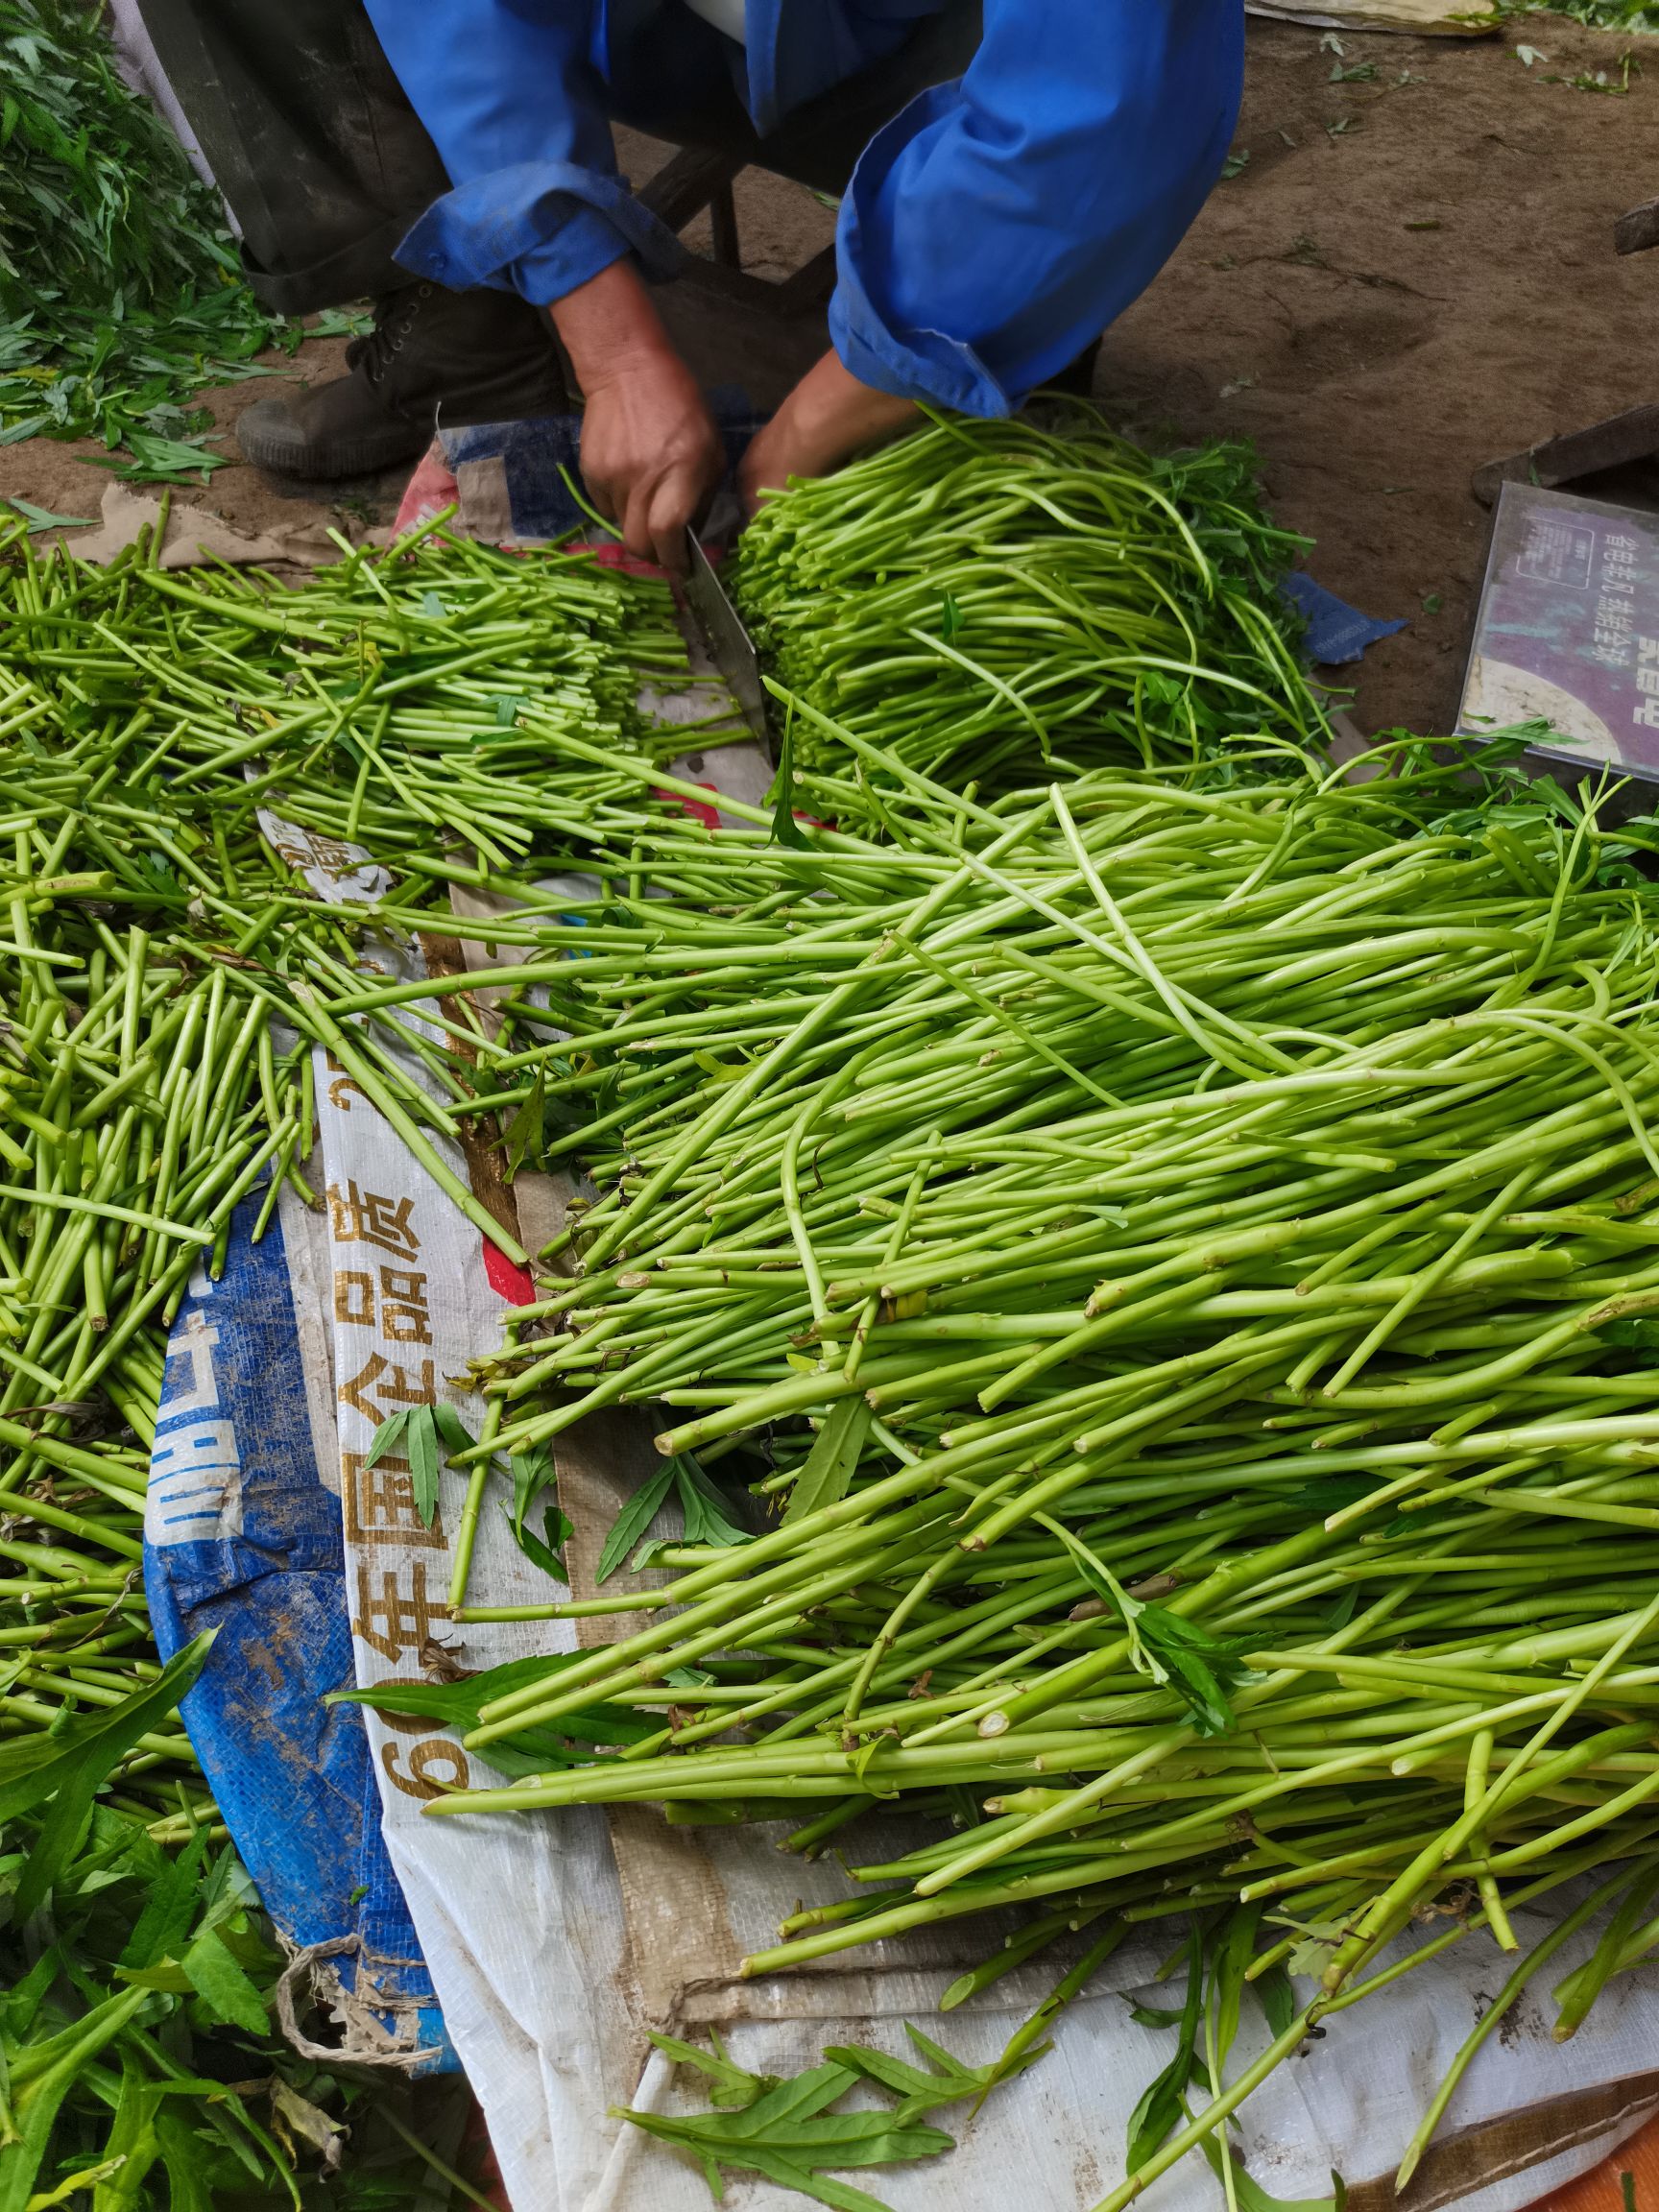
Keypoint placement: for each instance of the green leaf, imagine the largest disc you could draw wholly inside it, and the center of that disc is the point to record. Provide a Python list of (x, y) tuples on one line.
[(732, 2086), (949, 619), (1249, 2195), (704, 1508), (1197, 1665), (526, 1132), (22, 2000), (1312, 1954), (170, 1909), (160, 461), (948, 2082), (456, 1704), (632, 1523), (190, 2174), (421, 1441), (533, 1470), (453, 1431), (429, 1436), (1277, 1998), (1634, 1333), (67, 1766), (785, 829), (828, 1468), (545, 1548), (390, 1431), (1231, 1957), (1155, 2119), (529, 1750), (226, 1990), (42, 518), (132, 2146)]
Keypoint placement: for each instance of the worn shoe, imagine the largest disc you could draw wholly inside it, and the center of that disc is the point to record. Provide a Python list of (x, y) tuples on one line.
[(433, 356)]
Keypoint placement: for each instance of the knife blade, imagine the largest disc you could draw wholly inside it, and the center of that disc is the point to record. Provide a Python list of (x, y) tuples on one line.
[(730, 644)]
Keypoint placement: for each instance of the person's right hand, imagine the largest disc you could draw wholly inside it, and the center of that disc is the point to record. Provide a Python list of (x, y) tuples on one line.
[(651, 455)]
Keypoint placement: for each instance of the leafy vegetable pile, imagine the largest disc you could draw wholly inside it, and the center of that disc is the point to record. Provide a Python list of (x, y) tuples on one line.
[(121, 293), (139, 2060), (990, 600), (1171, 1253), (163, 975), (1183, 1261)]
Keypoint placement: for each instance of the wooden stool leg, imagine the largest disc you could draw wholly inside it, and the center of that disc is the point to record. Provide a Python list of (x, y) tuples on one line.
[(723, 224)]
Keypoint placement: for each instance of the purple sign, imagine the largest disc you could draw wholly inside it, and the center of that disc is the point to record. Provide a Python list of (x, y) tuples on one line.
[(1569, 629)]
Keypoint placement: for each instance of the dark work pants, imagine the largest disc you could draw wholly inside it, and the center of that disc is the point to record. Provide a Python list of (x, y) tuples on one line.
[(327, 166)]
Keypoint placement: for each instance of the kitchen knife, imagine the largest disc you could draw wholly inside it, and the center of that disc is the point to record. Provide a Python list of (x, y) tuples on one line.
[(730, 643)]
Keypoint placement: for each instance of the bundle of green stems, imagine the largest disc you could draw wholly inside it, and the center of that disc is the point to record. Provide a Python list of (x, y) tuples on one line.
[(984, 597), (1181, 1260), (401, 700), (165, 979), (1174, 1257)]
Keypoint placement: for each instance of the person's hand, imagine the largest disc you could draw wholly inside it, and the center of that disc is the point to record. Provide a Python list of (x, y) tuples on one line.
[(828, 417), (651, 455)]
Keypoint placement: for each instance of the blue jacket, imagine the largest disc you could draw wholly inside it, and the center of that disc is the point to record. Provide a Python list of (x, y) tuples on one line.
[(989, 232)]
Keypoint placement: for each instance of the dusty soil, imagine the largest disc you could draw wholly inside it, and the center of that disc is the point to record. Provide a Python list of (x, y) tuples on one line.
[(1412, 273), (1375, 364)]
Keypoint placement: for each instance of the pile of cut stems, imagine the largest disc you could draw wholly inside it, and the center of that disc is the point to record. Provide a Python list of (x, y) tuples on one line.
[(1167, 1254), (1183, 1262), (166, 980), (428, 698), (164, 975)]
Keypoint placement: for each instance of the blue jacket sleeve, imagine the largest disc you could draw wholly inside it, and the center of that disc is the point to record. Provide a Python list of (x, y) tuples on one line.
[(996, 227), (508, 90)]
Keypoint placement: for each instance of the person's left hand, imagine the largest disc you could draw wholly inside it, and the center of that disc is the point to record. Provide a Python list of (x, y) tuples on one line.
[(828, 417)]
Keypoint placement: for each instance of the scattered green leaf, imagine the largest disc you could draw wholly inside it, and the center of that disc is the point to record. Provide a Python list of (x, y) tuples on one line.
[(42, 518)]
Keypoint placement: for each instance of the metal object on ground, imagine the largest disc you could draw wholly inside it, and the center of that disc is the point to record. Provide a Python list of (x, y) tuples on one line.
[(730, 644)]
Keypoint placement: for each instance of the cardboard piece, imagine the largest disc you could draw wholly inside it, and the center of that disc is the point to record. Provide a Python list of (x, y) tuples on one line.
[(1568, 635), (196, 538)]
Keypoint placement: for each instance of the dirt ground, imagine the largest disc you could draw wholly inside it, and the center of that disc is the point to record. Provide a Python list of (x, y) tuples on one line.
[(1411, 274)]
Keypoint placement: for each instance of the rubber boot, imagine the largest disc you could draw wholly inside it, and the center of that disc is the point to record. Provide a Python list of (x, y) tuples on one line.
[(433, 356)]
